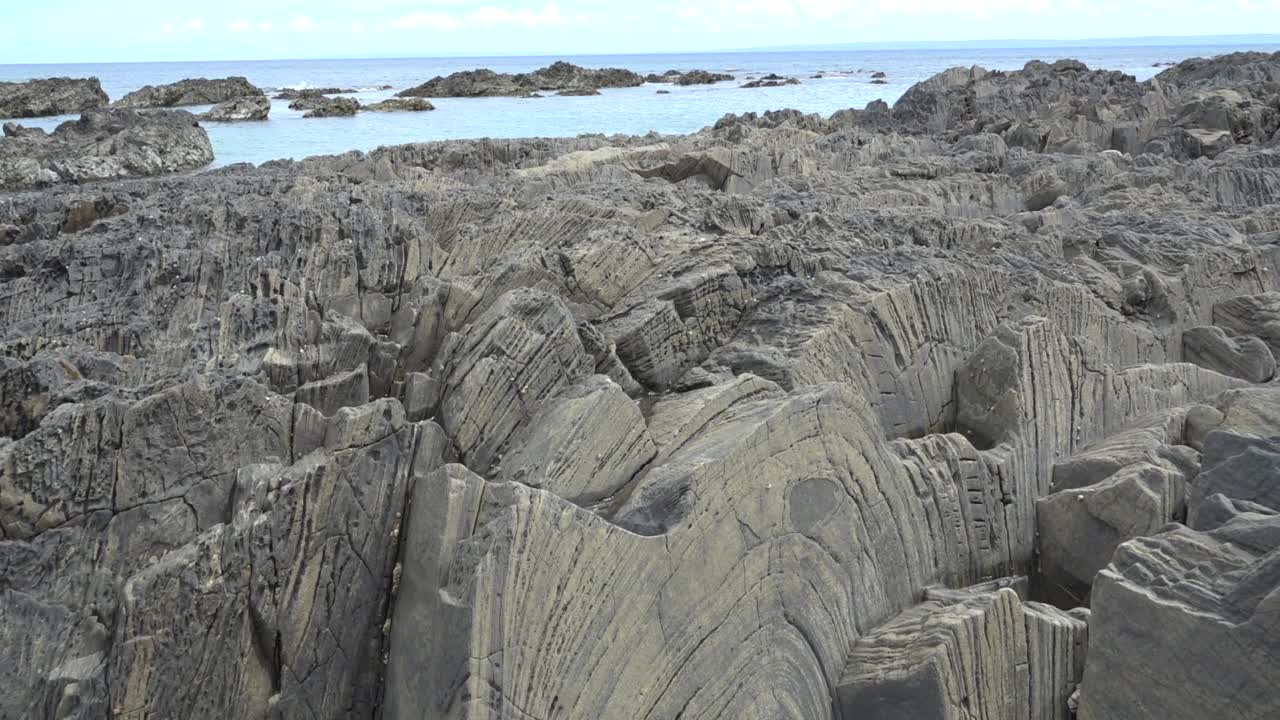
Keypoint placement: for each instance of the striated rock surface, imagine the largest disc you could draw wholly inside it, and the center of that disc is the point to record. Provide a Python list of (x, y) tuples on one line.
[(792, 417), (199, 91), (103, 145), (50, 96), (320, 106), (559, 76)]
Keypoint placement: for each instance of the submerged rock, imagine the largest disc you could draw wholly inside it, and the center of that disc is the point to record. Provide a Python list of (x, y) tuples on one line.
[(771, 80), (50, 96), (199, 91), (103, 145)]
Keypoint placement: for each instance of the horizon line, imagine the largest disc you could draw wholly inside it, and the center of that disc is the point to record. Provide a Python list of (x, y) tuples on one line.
[(983, 43)]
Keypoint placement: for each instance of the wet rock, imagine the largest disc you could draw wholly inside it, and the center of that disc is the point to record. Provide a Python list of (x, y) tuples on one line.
[(701, 77), (322, 107), (301, 93), (50, 96), (771, 80)]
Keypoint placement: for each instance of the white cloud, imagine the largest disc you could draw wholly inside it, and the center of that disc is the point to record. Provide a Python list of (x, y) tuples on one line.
[(431, 21), (486, 16), (238, 26), (193, 25), (168, 28), (303, 23), (357, 28), (490, 15), (264, 27)]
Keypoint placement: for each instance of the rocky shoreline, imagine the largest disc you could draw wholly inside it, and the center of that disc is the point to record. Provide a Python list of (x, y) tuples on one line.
[(961, 407)]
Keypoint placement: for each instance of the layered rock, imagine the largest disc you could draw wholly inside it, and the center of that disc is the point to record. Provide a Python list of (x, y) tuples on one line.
[(1191, 613), (319, 107), (50, 96), (754, 422), (198, 91), (104, 145)]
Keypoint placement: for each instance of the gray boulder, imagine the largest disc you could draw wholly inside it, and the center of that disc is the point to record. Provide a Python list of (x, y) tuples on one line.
[(50, 96), (105, 145), (255, 107), (1185, 626), (320, 107), (1247, 357), (1256, 315), (1240, 468), (198, 91)]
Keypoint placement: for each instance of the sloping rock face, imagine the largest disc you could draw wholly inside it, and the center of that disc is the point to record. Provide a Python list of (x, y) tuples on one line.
[(198, 91), (560, 76), (50, 96), (103, 145), (793, 417)]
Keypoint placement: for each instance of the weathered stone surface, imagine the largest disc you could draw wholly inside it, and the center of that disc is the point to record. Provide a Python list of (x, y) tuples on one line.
[(723, 407), (198, 91), (941, 661), (50, 96), (254, 107), (1240, 468), (1191, 613), (105, 145), (1252, 315), (1247, 358)]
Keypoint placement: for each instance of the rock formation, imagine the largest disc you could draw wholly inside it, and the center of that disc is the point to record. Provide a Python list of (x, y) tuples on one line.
[(947, 409), (321, 106), (771, 80), (103, 145), (254, 107), (399, 105), (300, 93), (200, 91), (558, 76), (50, 96)]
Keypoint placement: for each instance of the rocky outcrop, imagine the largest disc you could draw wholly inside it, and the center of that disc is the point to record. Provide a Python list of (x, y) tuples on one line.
[(239, 109), (320, 107), (771, 80), (558, 76), (50, 96), (700, 77), (301, 93), (792, 417), (103, 145), (399, 105), (578, 92), (199, 91)]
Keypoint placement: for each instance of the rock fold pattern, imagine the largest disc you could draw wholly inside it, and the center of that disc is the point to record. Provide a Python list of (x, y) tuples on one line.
[(952, 409)]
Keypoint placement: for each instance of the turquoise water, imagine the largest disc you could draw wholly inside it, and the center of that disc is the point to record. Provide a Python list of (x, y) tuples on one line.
[(625, 110)]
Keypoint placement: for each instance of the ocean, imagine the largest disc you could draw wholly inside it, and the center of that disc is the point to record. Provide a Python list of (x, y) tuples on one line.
[(846, 83)]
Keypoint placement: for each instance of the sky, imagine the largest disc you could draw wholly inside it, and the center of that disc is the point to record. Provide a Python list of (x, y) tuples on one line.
[(163, 30)]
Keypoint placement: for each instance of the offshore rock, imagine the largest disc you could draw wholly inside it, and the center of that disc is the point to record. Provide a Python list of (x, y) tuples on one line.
[(200, 91), (558, 76), (50, 96), (321, 107), (239, 109), (105, 145), (399, 105)]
